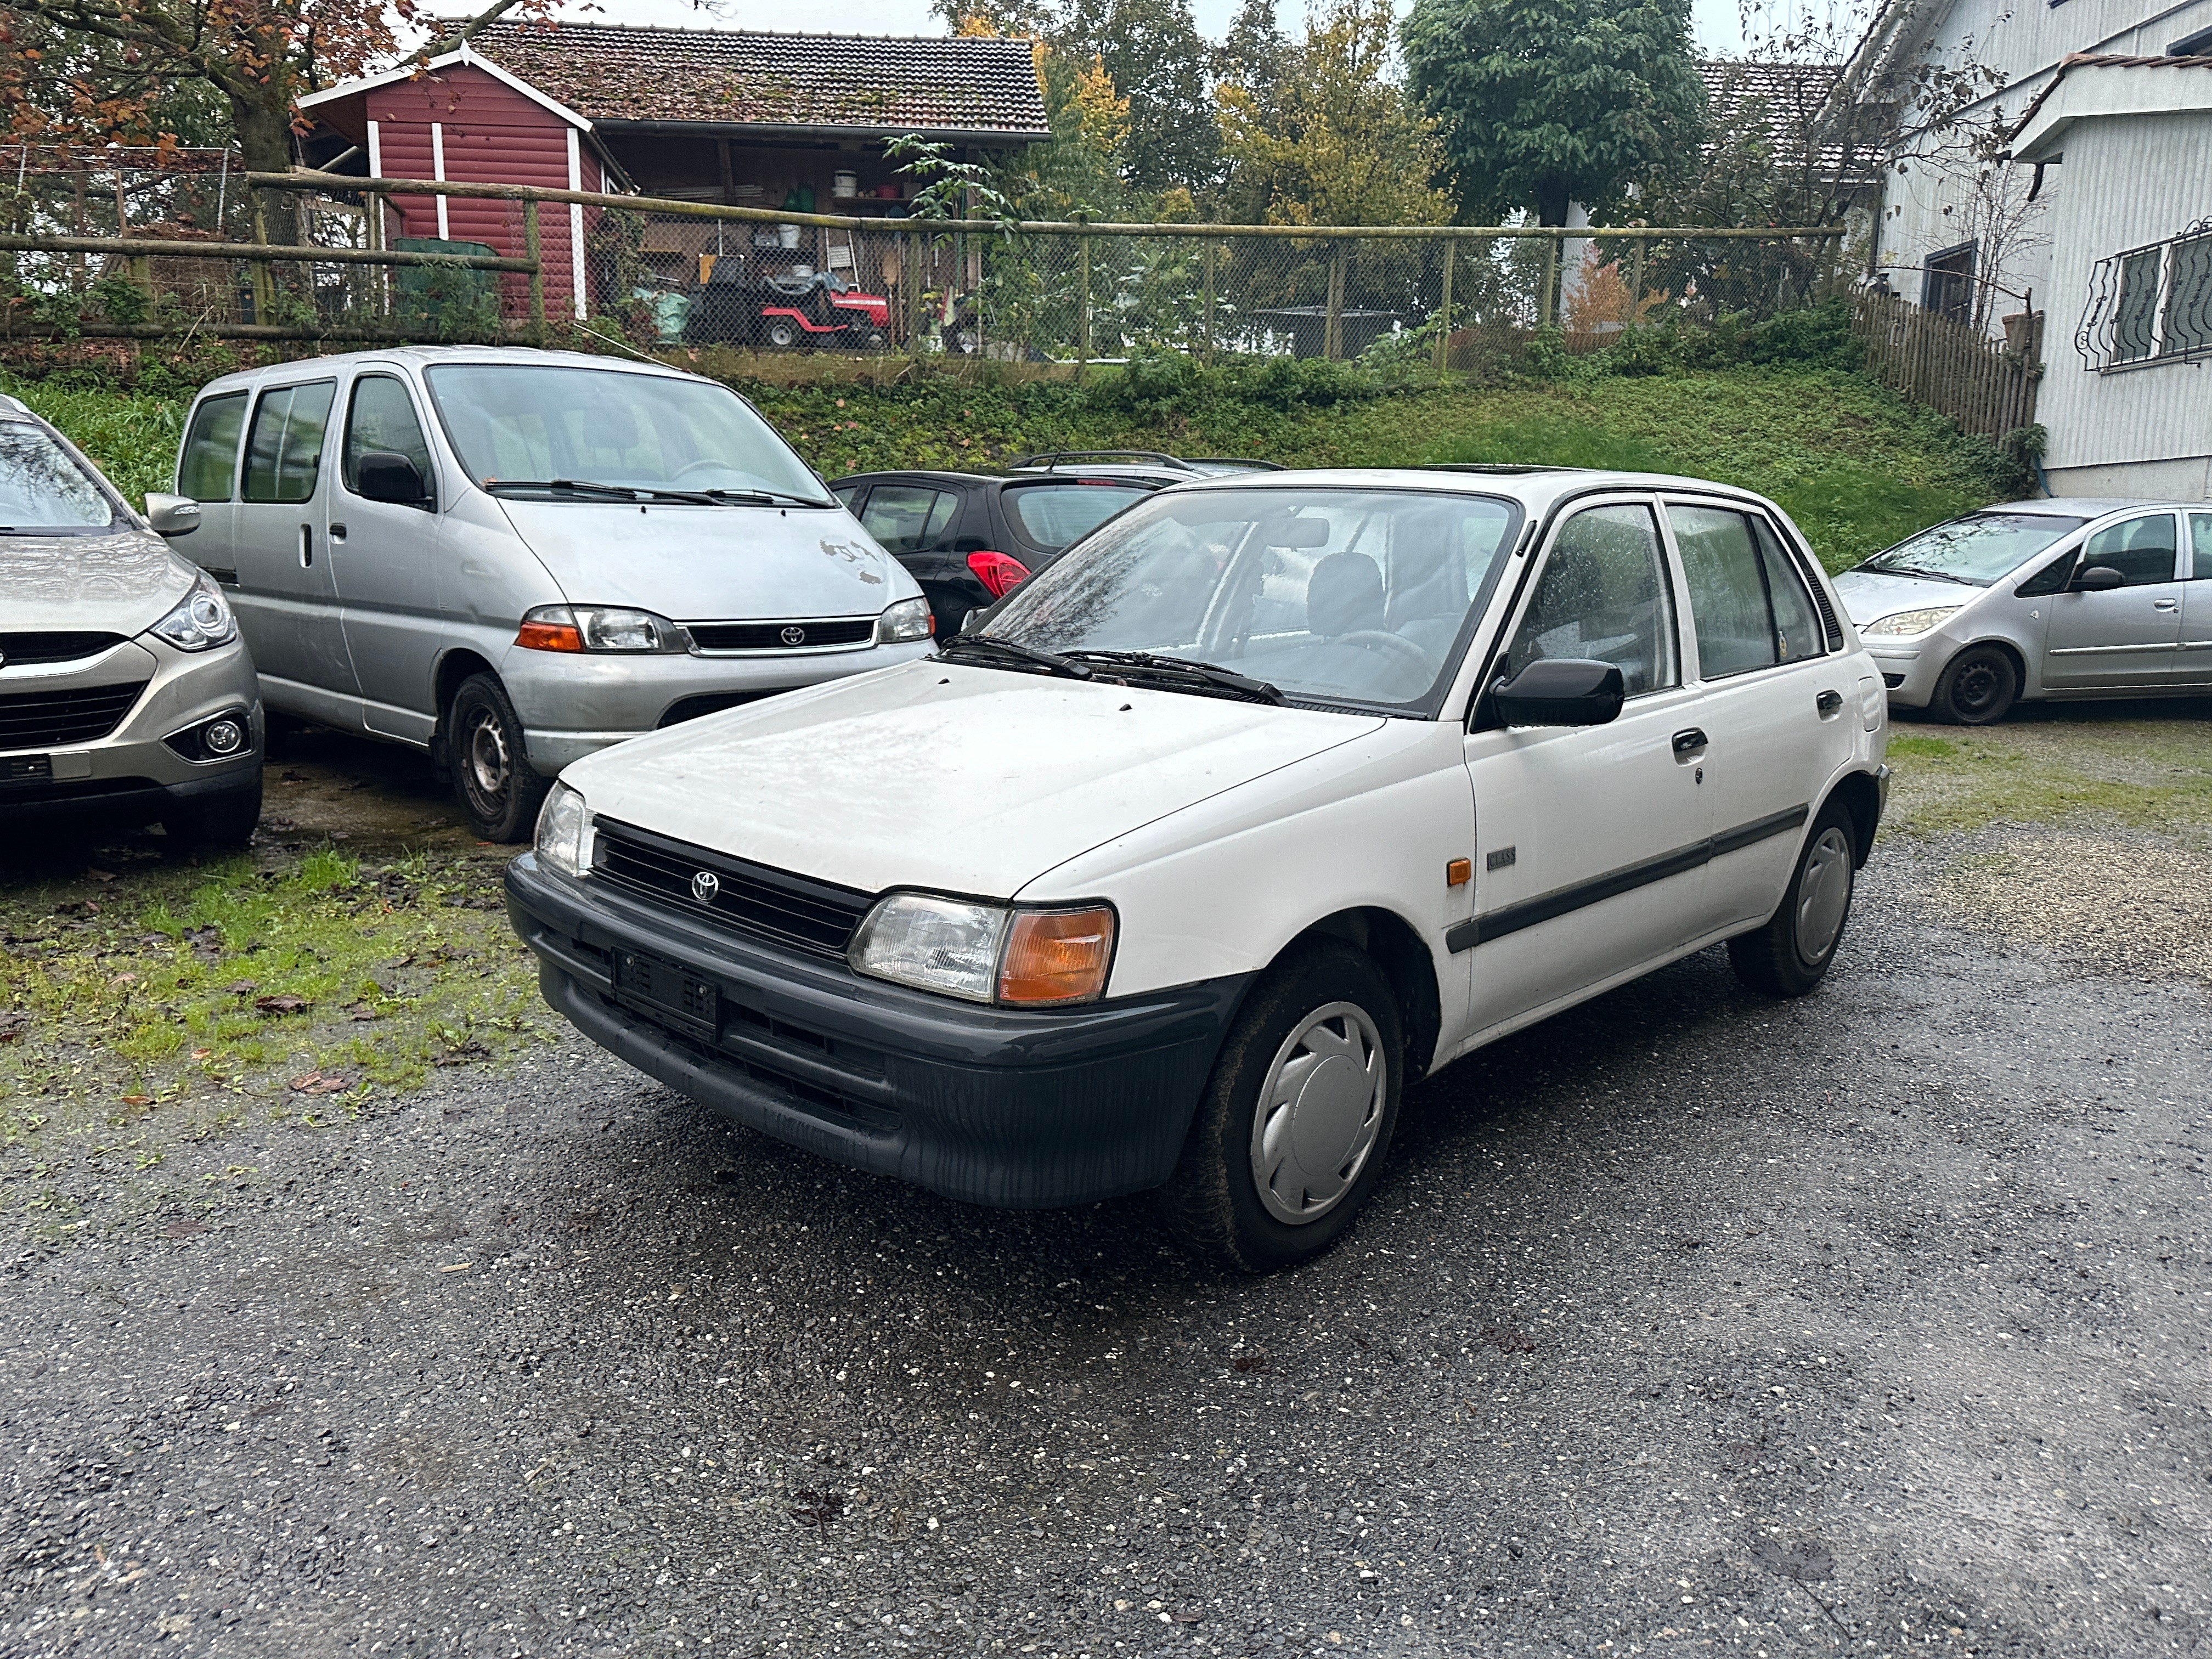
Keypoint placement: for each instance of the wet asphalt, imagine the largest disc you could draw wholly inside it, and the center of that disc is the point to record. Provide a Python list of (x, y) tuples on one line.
[(1876, 1322)]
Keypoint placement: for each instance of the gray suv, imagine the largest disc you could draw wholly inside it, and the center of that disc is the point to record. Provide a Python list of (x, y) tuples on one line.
[(512, 558), (125, 689)]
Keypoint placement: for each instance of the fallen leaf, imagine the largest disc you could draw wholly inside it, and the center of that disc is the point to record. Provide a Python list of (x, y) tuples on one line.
[(320, 1083), (137, 1100), (12, 1023), (124, 979), (282, 1002), (241, 988), (203, 1053)]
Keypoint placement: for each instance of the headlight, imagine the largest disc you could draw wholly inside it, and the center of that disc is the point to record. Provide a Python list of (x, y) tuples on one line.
[(1906, 624), (561, 825), (599, 628), (201, 621), (909, 619), (987, 952)]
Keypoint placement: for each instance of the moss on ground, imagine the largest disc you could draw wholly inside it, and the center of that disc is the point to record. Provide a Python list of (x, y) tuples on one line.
[(2063, 764)]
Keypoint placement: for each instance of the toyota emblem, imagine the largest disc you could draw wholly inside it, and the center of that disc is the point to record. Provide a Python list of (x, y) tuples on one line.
[(705, 885), (794, 635)]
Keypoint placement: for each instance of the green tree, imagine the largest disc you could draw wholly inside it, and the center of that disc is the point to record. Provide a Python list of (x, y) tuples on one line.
[(1152, 52), (1544, 102)]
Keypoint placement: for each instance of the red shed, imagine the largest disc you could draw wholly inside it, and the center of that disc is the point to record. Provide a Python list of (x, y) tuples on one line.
[(462, 117)]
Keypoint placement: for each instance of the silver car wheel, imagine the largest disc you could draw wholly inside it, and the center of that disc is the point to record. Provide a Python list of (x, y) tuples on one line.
[(1824, 895), (1319, 1110), (488, 762)]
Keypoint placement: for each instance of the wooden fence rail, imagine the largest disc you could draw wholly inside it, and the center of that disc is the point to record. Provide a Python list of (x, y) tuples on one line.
[(1985, 386)]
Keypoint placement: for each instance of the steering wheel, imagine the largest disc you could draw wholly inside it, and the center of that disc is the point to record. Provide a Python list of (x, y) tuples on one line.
[(682, 473), (1393, 645)]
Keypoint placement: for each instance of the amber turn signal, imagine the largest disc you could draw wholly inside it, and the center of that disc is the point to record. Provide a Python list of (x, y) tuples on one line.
[(1057, 955), (549, 636), (1459, 873)]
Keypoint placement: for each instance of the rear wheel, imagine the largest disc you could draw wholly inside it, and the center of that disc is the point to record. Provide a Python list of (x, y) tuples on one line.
[(492, 777), (1977, 688), (782, 333), (1790, 954)]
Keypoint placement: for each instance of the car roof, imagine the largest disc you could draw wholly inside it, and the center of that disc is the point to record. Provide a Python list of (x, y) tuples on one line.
[(1537, 488), (937, 475), (2082, 507), (420, 357)]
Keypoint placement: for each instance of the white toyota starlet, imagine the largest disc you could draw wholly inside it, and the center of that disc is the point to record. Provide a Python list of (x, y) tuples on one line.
[(1270, 795)]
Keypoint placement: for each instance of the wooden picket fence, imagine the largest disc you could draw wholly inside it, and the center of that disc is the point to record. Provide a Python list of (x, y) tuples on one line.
[(1988, 387)]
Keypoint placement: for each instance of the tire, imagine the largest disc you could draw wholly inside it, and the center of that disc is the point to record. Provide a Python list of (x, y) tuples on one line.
[(1326, 1002), (783, 334), (1977, 687), (220, 823), (876, 340), (492, 777), (1790, 955)]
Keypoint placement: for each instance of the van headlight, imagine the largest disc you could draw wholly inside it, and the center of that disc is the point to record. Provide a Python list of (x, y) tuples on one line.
[(599, 628), (201, 621), (987, 952), (909, 619), (563, 827), (1904, 624)]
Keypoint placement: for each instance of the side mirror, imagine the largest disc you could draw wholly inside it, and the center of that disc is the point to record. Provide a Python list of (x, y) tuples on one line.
[(1560, 691), (381, 475), (2098, 578), (171, 515)]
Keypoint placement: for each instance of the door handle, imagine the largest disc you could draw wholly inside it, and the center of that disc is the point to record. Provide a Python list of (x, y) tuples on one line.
[(306, 545), (335, 532), (2164, 605), (1827, 702), (1689, 741)]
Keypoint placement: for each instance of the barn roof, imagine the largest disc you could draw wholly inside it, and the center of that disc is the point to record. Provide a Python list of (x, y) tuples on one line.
[(973, 87)]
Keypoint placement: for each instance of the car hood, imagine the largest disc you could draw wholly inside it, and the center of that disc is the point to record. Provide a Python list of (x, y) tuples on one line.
[(936, 775), (121, 582), (1870, 595), (711, 564)]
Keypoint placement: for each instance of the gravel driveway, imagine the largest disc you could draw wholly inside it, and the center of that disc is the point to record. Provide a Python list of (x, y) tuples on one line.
[(1685, 1323)]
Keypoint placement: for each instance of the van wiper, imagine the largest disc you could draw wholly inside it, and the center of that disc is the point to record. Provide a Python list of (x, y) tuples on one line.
[(991, 645), (766, 497), (568, 487), (1205, 673)]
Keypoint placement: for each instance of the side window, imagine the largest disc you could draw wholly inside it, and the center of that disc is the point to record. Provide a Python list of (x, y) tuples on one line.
[(1796, 624), (210, 458), (1052, 515), (1603, 597), (1738, 629), (907, 517), (381, 418), (2141, 550), (846, 495), (286, 445), (2200, 546)]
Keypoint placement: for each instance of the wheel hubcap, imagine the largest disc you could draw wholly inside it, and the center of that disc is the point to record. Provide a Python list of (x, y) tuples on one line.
[(1824, 895), (487, 764), (1321, 1110)]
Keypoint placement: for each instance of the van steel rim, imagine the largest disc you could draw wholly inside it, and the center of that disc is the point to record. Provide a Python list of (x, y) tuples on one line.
[(488, 763), (1321, 1110), (1824, 894)]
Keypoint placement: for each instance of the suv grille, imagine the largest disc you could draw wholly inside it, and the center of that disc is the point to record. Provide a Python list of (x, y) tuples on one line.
[(47, 720), (769, 636), (21, 649), (751, 898)]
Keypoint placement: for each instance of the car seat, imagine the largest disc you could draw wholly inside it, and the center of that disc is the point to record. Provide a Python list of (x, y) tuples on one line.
[(1344, 595)]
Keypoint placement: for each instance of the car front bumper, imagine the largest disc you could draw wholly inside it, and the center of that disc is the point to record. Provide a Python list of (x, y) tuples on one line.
[(1020, 1110)]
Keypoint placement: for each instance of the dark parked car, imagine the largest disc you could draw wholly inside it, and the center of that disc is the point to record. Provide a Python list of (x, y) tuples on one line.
[(1140, 464)]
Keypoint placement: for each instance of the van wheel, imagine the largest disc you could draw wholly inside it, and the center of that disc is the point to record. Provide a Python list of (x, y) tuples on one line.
[(225, 823), (492, 777), (1977, 688), (1790, 954), (1297, 1117)]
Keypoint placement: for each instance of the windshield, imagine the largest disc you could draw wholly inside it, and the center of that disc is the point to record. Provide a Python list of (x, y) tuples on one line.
[(1329, 595), (1980, 547), (42, 487), (523, 424)]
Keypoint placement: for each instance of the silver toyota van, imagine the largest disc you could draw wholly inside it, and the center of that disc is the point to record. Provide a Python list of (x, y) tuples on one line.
[(511, 558)]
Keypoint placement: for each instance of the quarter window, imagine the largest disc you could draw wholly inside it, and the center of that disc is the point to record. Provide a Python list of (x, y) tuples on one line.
[(286, 445), (2141, 550), (210, 460), (1603, 598), (382, 420), (1797, 628), (905, 518), (1747, 599), (2200, 546)]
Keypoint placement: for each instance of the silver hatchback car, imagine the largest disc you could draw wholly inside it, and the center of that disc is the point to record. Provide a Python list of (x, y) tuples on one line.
[(511, 558), (2073, 596)]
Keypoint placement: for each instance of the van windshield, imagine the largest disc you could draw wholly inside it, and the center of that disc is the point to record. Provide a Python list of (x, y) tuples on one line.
[(523, 424), (42, 488)]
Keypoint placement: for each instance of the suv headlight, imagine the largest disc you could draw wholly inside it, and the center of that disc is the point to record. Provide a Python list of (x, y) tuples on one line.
[(1904, 624), (599, 628), (987, 952), (909, 619), (201, 621), (563, 829)]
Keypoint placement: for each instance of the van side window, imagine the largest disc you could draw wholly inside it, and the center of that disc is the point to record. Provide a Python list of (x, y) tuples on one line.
[(286, 444), (209, 459), (381, 419)]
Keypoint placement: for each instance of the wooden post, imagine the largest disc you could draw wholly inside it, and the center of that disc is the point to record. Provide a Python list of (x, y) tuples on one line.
[(1550, 282), (264, 288), (532, 251), (1332, 333), (1212, 252), (1082, 305), (1634, 284), (1444, 310)]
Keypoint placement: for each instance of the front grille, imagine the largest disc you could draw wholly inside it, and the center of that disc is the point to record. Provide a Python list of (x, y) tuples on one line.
[(713, 702), (52, 720), (752, 898), (770, 636), (18, 650)]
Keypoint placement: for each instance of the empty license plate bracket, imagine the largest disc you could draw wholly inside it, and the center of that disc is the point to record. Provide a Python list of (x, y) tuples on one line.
[(667, 992)]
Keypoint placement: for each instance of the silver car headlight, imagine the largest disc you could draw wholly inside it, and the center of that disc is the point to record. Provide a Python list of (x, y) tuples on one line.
[(988, 953), (201, 621), (563, 831), (1904, 624), (600, 627), (909, 619)]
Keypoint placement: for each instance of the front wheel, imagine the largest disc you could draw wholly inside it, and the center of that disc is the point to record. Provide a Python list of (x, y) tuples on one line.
[(783, 334), (492, 777), (1790, 954), (1977, 687), (1292, 1131)]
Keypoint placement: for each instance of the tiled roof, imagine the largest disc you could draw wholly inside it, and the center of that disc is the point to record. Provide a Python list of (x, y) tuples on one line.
[(1792, 97), (891, 85)]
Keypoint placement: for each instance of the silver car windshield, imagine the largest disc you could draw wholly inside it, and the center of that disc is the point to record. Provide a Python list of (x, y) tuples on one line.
[(1329, 595), (1981, 548), (42, 487), (519, 424)]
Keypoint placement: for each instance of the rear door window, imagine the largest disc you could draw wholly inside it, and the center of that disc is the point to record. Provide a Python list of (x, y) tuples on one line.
[(286, 445), (908, 518), (1052, 515), (2141, 550), (209, 459), (1750, 605)]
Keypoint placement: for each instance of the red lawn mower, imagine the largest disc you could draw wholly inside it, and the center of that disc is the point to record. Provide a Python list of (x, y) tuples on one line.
[(787, 312)]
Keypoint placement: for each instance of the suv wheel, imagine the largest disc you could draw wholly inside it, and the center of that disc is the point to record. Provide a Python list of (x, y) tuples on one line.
[(225, 823), (1790, 954), (1297, 1117), (492, 776), (1977, 687)]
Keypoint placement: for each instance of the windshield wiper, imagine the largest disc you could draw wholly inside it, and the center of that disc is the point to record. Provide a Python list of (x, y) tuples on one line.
[(1915, 570), (991, 644), (568, 487), (767, 497), (1171, 668)]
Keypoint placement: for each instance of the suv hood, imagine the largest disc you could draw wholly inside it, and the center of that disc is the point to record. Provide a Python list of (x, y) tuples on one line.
[(116, 581), (938, 775), (711, 564), (1870, 595)]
